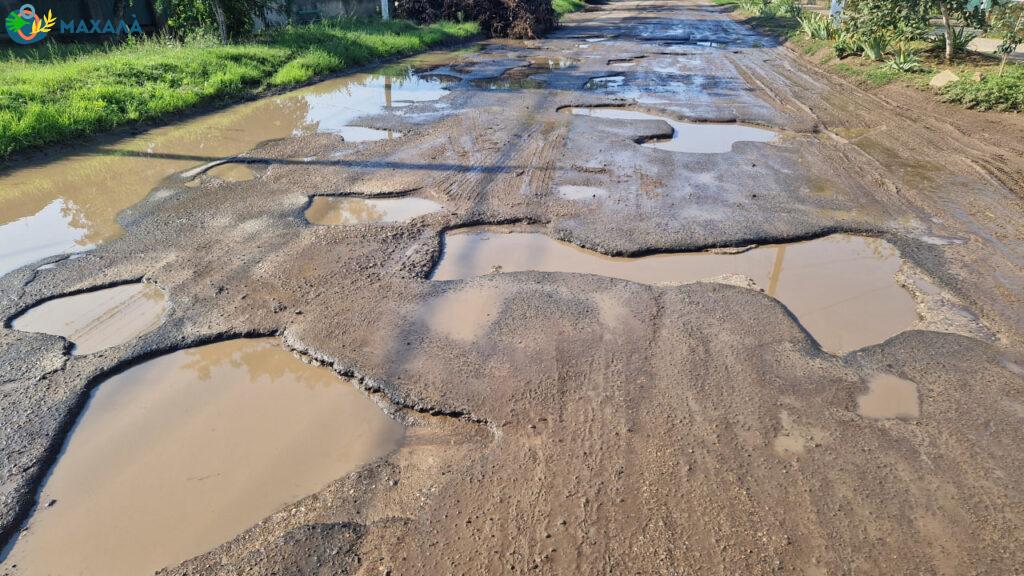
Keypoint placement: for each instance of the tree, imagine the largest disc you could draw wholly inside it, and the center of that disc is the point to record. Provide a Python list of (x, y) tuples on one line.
[(1007, 19), (222, 21), (967, 12)]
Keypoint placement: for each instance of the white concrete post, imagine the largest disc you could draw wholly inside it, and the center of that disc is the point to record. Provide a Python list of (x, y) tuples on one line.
[(837, 10), (385, 12)]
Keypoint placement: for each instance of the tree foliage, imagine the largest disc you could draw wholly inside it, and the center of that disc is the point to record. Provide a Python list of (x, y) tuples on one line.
[(188, 17)]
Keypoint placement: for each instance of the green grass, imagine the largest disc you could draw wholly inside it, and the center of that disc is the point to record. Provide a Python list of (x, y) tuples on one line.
[(53, 93), (563, 7), (1003, 93)]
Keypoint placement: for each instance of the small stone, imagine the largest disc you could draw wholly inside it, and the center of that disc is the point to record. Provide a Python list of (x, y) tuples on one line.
[(943, 78)]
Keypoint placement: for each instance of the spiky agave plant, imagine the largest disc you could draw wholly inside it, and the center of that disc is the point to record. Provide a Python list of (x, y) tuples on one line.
[(875, 46), (904, 58), (817, 26)]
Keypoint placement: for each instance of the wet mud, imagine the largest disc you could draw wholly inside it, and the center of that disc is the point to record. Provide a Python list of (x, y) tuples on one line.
[(96, 320), (71, 204), (889, 397), (843, 289), (656, 412), (178, 454), (334, 211), (691, 137)]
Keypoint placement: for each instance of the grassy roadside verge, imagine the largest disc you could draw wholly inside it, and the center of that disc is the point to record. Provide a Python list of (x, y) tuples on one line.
[(53, 95), (980, 87), (563, 7)]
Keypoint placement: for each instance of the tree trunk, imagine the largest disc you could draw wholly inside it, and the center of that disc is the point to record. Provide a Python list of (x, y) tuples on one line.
[(222, 24), (159, 15), (947, 24)]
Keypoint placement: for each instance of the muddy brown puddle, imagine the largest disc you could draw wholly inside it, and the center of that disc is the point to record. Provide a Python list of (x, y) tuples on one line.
[(842, 288), (693, 137), (177, 455), (889, 397), (334, 210), (70, 204), (99, 319)]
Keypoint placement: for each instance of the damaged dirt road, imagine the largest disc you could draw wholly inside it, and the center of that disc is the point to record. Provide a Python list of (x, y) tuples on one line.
[(848, 398)]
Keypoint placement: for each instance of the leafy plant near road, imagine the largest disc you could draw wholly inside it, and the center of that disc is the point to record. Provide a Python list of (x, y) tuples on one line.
[(1007, 20), (875, 46), (904, 58), (899, 44), (818, 26), (1003, 93), (959, 39)]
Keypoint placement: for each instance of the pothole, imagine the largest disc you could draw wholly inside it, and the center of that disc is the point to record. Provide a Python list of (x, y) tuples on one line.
[(889, 397), (179, 454), (572, 192), (692, 137), (336, 210), (362, 134), (96, 320), (509, 83), (520, 78), (552, 62), (841, 287), (70, 204), (605, 83)]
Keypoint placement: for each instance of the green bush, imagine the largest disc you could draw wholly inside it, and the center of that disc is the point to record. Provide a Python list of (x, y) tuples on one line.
[(875, 46), (961, 38), (817, 26), (904, 58)]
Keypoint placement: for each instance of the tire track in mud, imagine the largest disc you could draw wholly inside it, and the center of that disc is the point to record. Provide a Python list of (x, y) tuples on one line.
[(924, 186)]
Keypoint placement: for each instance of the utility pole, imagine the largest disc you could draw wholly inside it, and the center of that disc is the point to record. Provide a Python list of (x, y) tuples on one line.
[(385, 10)]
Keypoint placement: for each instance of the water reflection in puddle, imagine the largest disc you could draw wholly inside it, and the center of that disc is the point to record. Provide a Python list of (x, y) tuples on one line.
[(571, 192), (361, 134), (332, 210), (70, 204), (181, 453), (842, 288), (604, 83), (889, 397), (706, 138), (99, 319)]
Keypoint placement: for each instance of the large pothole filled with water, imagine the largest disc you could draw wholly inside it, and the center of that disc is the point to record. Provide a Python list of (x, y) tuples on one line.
[(98, 319), (70, 204), (842, 288), (176, 455), (692, 137)]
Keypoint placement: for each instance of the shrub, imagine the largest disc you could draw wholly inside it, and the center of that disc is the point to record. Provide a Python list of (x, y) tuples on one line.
[(904, 59), (875, 45), (1004, 93), (817, 26), (785, 8), (845, 45), (960, 38)]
